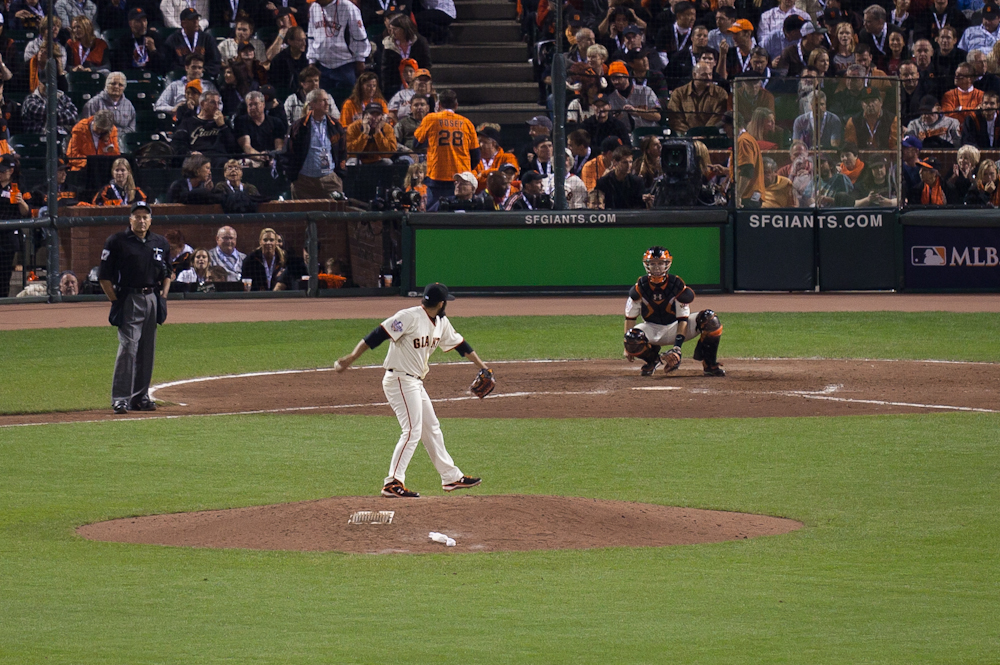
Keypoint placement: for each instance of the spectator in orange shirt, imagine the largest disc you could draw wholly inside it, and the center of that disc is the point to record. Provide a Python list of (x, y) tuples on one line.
[(371, 139), (595, 169), (93, 136), (850, 165), (492, 156), (366, 91), (961, 101), (452, 146)]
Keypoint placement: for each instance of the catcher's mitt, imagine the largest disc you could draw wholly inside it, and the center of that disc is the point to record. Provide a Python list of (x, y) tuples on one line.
[(671, 359), (483, 384)]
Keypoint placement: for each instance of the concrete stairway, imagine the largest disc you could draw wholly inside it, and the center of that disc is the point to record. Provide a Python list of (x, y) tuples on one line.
[(486, 63)]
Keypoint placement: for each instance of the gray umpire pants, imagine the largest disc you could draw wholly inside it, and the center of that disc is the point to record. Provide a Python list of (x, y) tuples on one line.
[(136, 347)]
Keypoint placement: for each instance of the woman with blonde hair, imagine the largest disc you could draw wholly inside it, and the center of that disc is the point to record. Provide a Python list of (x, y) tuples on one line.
[(264, 264), (648, 165), (87, 52), (414, 181), (844, 42), (121, 191), (761, 126), (986, 192), (964, 170), (597, 55)]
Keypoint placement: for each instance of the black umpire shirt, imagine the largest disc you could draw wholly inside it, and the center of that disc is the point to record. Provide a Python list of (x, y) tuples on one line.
[(130, 262)]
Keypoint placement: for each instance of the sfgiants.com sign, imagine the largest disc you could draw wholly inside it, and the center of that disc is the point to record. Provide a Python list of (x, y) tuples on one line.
[(952, 258)]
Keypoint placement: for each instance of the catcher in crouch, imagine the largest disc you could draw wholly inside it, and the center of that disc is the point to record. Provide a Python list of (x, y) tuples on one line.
[(664, 302), (414, 333)]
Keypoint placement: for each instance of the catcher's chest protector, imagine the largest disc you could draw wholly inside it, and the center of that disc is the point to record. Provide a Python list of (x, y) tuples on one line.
[(657, 300)]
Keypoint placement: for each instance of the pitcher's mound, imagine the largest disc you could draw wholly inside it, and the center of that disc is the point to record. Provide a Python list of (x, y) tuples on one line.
[(477, 523)]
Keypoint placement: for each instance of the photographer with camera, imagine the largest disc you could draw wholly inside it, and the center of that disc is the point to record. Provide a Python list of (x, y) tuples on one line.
[(465, 188), (135, 276)]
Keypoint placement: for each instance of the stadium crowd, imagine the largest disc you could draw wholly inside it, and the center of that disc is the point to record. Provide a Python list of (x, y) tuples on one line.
[(800, 102)]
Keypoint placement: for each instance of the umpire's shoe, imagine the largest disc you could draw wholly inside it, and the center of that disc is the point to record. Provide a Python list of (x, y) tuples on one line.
[(462, 483), (120, 406), (396, 490), (714, 370), (143, 404)]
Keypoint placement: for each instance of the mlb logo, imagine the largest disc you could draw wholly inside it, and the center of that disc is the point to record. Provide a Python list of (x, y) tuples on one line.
[(923, 255), (397, 326)]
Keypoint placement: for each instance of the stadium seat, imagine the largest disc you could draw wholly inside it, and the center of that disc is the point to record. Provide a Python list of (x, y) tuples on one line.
[(135, 140), (85, 81), (152, 121), (265, 183), (713, 137), (80, 98), (641, 132), (142, 97)]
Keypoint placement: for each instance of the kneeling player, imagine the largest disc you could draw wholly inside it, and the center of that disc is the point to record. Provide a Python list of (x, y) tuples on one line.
[(664, 301)]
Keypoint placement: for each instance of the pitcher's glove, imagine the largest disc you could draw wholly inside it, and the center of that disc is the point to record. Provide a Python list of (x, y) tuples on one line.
[(484, 383), (671, 359)]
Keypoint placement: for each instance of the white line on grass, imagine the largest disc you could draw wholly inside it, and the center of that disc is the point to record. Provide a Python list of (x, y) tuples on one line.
[(293, 409)]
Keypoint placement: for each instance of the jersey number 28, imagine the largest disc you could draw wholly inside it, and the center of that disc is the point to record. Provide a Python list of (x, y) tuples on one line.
[(446, 138)]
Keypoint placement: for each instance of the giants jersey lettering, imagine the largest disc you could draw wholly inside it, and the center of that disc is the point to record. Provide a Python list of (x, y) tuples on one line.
[(414, 337), (449, 137), (657, 302)]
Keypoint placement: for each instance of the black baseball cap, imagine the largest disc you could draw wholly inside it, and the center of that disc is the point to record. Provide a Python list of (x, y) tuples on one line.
[(930, 163), (141, 205), (189, 13), (490, 133), (991, 10), (435, 293), (137, 12), (610, 144), (7, 162), (529, 177)]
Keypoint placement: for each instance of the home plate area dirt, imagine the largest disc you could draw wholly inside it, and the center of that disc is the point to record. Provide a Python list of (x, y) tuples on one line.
[(544, 389), (615, 389)]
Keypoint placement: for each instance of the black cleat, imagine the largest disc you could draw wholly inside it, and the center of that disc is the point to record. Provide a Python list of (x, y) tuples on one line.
[(396, 490), (714, 370), (462, 483), (120, 407), (143, 404), (650, 367)]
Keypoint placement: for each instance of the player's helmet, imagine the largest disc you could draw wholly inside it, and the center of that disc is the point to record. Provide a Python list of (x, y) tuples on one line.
[(657, 261)]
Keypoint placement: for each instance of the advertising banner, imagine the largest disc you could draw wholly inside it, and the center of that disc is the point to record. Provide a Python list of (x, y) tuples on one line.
[(952, 258), (775, 250), (857, 250)]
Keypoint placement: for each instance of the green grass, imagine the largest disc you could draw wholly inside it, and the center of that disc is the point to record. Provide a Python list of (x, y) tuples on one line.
[(897, 563), (70, 369)]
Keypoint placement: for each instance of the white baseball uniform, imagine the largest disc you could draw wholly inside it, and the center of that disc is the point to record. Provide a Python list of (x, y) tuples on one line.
[(414, 336)]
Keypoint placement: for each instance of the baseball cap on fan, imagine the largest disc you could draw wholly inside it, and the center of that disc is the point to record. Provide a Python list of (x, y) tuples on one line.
[(435, 293)]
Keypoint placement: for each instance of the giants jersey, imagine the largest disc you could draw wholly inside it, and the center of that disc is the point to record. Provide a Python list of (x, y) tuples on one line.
[(657, 302), (414, 337), (449, 138)]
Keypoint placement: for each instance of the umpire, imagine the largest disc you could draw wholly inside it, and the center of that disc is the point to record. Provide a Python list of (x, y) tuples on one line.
[(136, 278)]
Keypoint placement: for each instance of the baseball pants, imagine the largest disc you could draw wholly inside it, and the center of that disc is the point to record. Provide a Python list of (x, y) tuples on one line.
[(136, 347), (416, 417), (665, 335)]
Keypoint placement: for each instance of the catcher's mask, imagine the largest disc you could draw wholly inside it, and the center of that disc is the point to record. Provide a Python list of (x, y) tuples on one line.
[(657, 261), (636, 342)]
